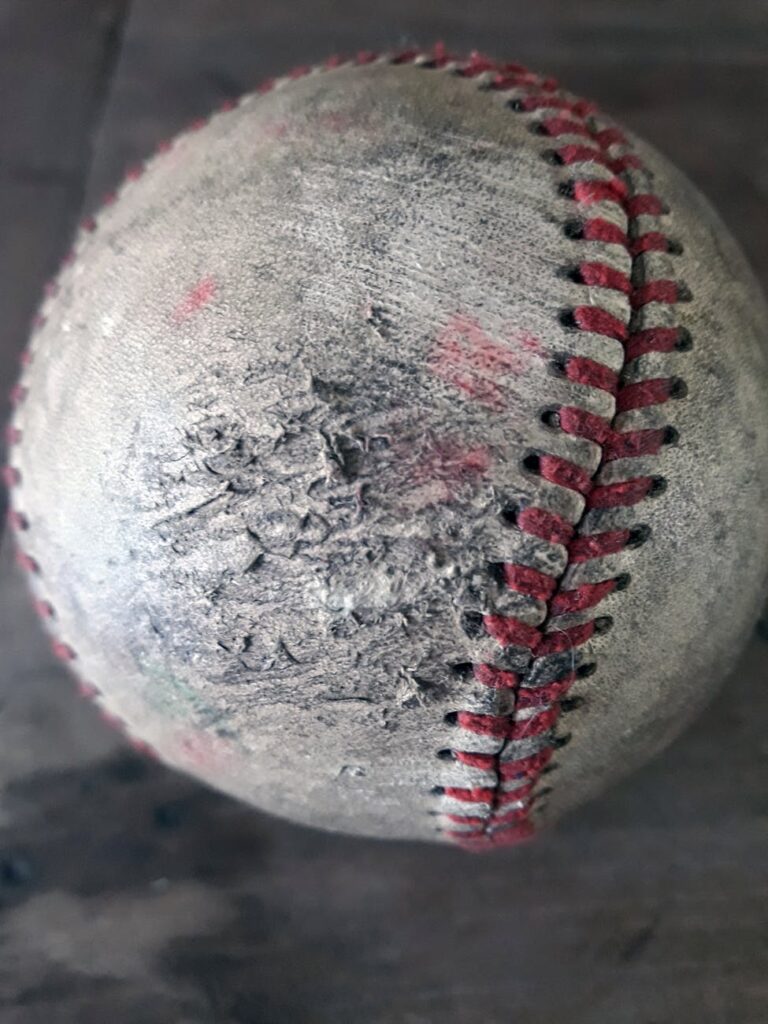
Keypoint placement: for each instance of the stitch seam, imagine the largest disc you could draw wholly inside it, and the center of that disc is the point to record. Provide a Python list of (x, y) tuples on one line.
[(537, 709)]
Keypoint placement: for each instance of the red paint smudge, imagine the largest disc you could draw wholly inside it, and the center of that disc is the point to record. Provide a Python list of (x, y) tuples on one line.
[(465, 356), (195, 299), (275, 129), (444, 468), (200, 750)]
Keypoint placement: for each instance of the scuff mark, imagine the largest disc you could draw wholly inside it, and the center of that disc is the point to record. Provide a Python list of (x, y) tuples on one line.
[(465, 356), (197, 297)]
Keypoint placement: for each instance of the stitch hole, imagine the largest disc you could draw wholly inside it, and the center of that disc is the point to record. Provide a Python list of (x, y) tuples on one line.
[(671, 436), (638, 535), (658, 486), (573, 229), (472, 624), (437, 790), (572, 274), (551, 418), (553, 766), (568, 704), (517, 105), (674, 247), (684, 341), (603, 624), (678, 388), (567, 189), (509, 514), (496, 571), (451, 717), (532, 463), (684, 293), (567, 319), (463, 669), (445, 754), (558, 365), (583, 671), (558, 742), (622, 582), (17, 520), (551, 156)]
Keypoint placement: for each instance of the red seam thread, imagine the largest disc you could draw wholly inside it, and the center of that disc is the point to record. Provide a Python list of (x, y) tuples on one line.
[(597, 545), (596, 229), (497, 828), (547, 525), (529, 581), (582, 370)]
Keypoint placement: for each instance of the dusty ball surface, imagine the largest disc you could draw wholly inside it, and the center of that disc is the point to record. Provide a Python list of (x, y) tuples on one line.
[(396, 437)]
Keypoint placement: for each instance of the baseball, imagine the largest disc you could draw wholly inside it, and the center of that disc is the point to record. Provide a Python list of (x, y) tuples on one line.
[(392, 452)]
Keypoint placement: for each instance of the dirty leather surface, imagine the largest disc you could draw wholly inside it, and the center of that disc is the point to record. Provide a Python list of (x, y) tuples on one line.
[(260, 502)]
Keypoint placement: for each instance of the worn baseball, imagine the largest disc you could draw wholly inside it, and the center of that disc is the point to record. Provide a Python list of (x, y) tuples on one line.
[(398, 436)]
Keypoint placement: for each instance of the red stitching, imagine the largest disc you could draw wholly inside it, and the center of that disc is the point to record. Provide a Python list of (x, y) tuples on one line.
[(599, 321), (511, 632), (564, 473), (583, 597), (517, 795), (564, 126), (27, 562), (17, 520), (496, 678), (477, 795), (526, 767), (63, 651), (634, 443), (598, 545), (581, 423), (504, 727), (547, 525), (482, 840), (598, 230), (485, 762), (619, 495), (582, 370), (565, 639), (601, 275), (636, 206), (651, 241), (529, 697), (653, 339), (589, 192), (655, 291), (580, 107), (529, 581), (44, 609), (654, 391), (611, 137)]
